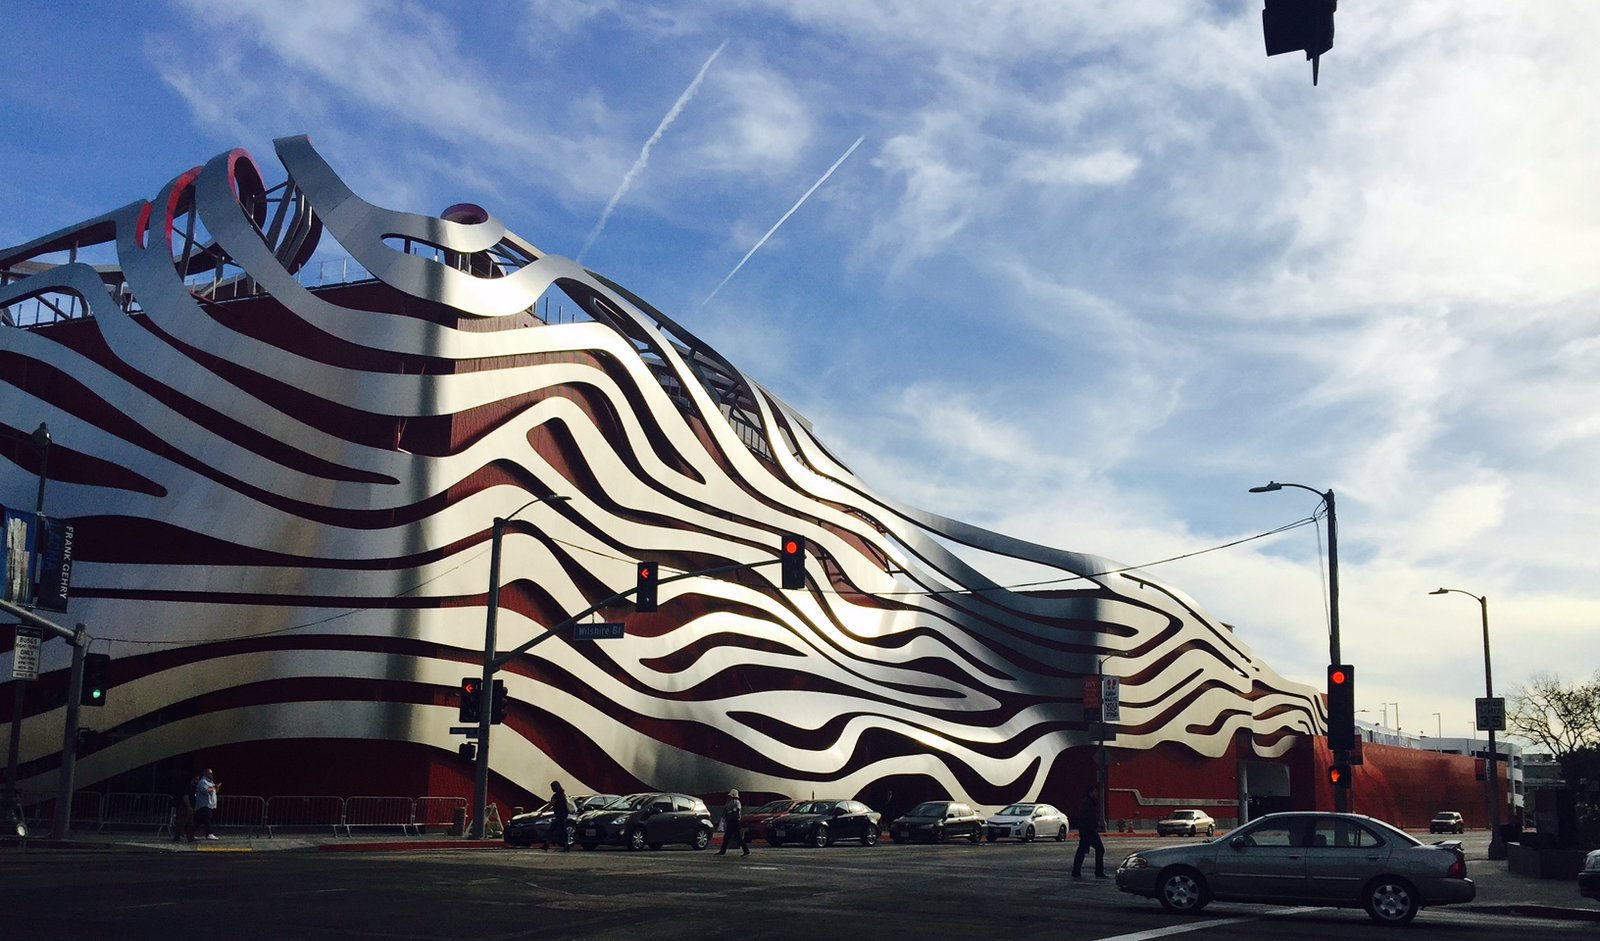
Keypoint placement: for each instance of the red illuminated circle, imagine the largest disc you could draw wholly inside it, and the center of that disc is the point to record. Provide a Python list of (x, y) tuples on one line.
[(790, 547), (1337, 677)]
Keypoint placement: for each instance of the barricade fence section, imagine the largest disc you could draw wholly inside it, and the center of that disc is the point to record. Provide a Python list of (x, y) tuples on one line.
[(119, 809), (439, 813), (380, 812), (136, 810), (238, 811), (306, 812)]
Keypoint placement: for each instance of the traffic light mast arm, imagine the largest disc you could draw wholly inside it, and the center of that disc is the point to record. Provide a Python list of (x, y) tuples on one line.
[(501, 660)]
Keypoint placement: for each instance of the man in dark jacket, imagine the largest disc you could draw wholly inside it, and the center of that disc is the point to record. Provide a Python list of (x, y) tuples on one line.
[(1088, 820)]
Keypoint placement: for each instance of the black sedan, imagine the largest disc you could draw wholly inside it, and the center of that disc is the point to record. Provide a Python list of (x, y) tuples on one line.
[(652, 819), (530, 828), (824, 822), (938, 821)]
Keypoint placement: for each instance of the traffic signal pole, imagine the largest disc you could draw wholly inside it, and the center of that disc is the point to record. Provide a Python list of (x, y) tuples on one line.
[(493, 662), (79, 639)]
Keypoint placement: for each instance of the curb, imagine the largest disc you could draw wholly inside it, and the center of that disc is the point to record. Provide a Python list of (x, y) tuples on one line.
[(1535, 910), (397, 847)]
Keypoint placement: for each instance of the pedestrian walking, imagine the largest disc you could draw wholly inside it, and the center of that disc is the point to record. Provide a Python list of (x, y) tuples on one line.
[(205, 803), (1088, 821), (560, 811), (732, 829), (183, 811)]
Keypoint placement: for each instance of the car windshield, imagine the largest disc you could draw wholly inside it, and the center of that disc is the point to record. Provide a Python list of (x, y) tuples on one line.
[(773, 807), (1017, 810), (602, 801), (928, 809), (814, 807), (1185, 815), (637, 801), (1444, 816)]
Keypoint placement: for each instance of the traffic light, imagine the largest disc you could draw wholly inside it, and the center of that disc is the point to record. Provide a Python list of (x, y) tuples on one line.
[(96, 682), (471, 703), (644, 597), (468, 751), (794, 561), (1339, 775), (1295, 25), (497, 715), (1341, 707)]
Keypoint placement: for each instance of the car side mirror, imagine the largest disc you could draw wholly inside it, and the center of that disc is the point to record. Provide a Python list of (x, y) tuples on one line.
[(660, 808), (1238, 843)]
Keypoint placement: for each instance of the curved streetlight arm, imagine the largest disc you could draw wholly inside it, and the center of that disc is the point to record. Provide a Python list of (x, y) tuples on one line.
[(1333, 559)]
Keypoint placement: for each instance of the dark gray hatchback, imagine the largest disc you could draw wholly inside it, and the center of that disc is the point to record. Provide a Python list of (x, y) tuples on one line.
[(652, 819)]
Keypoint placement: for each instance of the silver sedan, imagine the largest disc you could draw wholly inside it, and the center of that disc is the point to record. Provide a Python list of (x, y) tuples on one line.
[(1305, 858)]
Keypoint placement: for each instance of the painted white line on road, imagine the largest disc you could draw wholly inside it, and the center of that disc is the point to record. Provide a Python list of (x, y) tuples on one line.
[(1203, 925)]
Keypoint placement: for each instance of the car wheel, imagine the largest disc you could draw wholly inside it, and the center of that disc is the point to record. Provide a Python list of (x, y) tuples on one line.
[(938, 835), (1211, 829), (701, 839), (1391, 901), (820, 837), (1194, 830), (870, 838), (1182, 891), (974, 837), (1061, 835), (636, 839), (1027, 835), (572, 835), (591, 846)]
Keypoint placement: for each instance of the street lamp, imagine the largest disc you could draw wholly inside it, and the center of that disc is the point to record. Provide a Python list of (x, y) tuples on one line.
[(1341, 792), (1497, 846), (1397, 730), (480, 788), (1438, 725)]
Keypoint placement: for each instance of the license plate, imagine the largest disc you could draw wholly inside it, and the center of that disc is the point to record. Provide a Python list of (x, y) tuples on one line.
[(779, 833), (590, 831)]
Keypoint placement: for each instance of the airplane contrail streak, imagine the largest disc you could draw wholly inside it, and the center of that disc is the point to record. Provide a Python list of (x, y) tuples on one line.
[(644, 153), (763, 240)]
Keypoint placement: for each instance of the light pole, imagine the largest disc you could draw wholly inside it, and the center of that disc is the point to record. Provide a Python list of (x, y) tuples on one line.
[(1497, 846), (1397, 730), (1341, 791), (480, 783), (1438, 725), (41, 440)]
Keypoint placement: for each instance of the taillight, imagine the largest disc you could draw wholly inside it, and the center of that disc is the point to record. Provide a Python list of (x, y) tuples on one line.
[(1458, 869)]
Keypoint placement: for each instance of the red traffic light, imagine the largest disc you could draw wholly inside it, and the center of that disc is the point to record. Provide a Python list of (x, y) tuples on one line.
[(1338, 677), (469, 686), (1338, 774), (791, 546)]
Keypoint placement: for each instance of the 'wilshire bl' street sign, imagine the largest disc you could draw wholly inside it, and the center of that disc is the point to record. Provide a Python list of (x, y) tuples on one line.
[(607, 630)]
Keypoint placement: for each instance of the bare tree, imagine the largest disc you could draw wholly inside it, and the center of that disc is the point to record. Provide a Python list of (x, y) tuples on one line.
[(1555, 716)]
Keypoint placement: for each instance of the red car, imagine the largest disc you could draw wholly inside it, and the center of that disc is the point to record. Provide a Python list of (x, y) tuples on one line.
[(755, 822)]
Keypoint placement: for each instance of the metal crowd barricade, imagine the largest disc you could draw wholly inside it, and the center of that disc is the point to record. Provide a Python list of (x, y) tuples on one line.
[(380, 812), (136, 810), (438, 813), (240, 811), (305, 811)]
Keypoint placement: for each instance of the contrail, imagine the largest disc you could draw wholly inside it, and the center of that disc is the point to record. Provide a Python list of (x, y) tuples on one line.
[(644, 153), (763, 239)]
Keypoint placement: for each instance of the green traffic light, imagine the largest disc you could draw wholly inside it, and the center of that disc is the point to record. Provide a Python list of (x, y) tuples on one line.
[(96, 693)]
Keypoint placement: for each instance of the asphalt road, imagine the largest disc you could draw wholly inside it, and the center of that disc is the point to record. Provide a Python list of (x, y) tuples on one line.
[(925, 893)]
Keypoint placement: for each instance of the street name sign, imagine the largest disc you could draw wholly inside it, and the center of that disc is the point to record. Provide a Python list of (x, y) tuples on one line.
[(606, 630)]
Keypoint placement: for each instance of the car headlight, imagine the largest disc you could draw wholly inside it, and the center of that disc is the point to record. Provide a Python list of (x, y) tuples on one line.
[(618, 821), (1135, 862)]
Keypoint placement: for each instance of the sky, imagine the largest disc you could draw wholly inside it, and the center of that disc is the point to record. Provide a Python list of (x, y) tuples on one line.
[(1082, 273)]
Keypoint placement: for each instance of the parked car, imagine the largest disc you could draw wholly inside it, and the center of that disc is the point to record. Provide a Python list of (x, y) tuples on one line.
[(651, 819), (755, 822), (824, 822), (1446, 821), (1025, 822), (1305, 858), (1589, 876), (530, 828), (1186, 823), (938, 821)]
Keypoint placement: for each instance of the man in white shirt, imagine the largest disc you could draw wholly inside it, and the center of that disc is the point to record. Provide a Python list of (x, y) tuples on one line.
[(205, 801)]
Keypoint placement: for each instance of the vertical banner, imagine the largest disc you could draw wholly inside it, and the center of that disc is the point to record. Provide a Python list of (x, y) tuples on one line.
[(55, 564), (18, 546)]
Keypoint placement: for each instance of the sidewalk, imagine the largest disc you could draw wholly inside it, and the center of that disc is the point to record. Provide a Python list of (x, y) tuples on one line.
[(1500, 891)]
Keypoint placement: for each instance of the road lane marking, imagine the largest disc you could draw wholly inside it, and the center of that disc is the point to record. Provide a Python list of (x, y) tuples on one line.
[(1202, 926)]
